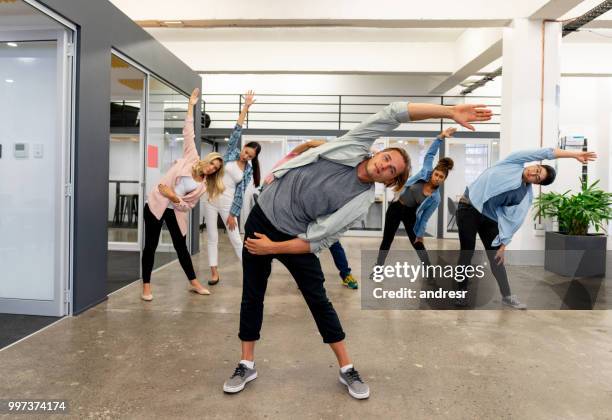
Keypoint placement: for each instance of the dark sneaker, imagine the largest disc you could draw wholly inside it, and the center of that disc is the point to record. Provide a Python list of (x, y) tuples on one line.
[(350, 282), (356, 387), (513, 302), (242, 375)]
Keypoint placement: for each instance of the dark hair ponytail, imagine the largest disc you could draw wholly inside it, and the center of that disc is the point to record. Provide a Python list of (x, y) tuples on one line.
[(255, 161), (445, 165)]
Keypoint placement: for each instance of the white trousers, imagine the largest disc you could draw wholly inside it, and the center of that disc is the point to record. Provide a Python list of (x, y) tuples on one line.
[(220, 206)]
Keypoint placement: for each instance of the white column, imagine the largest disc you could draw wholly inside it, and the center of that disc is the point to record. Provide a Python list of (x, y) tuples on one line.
[(521, 118)]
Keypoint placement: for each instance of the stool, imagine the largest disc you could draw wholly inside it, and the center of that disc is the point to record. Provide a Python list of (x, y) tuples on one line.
[(120, 209), (130, 208)]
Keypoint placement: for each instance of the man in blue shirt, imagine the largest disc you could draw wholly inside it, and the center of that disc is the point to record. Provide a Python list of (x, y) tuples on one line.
[(496, 204)]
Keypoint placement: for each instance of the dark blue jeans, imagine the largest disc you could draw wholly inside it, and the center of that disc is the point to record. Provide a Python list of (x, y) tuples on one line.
[(340, 259)]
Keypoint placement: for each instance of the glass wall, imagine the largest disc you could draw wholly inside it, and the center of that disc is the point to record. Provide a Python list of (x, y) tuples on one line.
[(471, 158), (126, 110), (416, 148), (167, 109)]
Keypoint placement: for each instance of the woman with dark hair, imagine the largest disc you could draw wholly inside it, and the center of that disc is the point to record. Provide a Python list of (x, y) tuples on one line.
[(240, 166), (417, 202)]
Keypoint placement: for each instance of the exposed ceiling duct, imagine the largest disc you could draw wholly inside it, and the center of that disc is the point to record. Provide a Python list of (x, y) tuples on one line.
[(569, 27)]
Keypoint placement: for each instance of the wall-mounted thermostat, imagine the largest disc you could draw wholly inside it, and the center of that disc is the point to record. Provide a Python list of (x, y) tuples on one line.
[(21, 150), (37, 150)]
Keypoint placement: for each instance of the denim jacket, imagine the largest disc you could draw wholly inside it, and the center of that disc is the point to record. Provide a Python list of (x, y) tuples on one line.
[(507, 175), (232, 154), (431, 203), (350, 149)]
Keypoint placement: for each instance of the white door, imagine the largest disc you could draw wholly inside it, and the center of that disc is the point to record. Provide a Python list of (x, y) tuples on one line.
[(36, 68)]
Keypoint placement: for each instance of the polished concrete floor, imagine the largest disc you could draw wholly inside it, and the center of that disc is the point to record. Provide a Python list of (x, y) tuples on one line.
[(168, 358)]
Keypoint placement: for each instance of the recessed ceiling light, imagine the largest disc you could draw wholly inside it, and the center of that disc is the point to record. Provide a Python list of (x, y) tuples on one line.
[(174, 116), (11, 44), (9, 80)]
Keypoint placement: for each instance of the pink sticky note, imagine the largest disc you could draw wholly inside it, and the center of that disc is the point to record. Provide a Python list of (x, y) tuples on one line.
[(152, 156)]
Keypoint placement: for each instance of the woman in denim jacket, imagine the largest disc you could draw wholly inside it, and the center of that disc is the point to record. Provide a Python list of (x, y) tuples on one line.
[(417, 202)]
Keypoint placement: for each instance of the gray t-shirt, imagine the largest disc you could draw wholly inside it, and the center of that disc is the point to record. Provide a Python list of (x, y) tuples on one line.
[(413, 195), (295, 200)]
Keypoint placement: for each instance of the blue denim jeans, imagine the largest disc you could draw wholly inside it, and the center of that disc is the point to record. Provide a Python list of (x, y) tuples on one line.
[(340, 259)]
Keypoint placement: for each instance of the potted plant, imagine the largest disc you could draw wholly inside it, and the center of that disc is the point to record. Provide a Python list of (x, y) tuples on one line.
[(573, 251)]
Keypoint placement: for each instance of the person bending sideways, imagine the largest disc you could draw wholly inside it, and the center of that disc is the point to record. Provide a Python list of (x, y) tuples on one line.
[(336, 249), (314, 199), (178, 192), (240, 166), (495, 205), (417, 202)]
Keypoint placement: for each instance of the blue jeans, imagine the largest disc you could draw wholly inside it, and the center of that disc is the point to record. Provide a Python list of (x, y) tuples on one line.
[(340, 259)]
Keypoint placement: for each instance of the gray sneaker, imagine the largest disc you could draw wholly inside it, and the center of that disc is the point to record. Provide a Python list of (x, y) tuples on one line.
[(513, 302), (356, 387), (239, 379)]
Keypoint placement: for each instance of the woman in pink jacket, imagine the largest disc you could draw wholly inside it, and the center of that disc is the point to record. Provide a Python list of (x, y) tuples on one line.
[(178, 192)]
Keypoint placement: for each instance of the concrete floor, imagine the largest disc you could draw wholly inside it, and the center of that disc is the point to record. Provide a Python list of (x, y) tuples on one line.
[(168, 359)]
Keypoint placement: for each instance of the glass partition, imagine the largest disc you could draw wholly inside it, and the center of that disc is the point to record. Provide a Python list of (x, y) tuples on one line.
[(126, 127), (471, 158), (166, 111), (416, 148)]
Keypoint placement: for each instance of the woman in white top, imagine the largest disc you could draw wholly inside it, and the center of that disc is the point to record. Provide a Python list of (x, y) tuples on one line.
[(240, 166)]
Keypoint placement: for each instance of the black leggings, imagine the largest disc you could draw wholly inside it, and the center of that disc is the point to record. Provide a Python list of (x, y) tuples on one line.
[(470, 222), (153, 229), (396, 213), (306, 271)]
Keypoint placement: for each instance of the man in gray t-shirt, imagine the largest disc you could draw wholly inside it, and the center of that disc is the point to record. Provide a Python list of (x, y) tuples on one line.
[(292, 202), (315, 197)]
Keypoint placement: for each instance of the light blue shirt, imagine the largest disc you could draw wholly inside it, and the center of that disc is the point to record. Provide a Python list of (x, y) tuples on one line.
[(507, 175)]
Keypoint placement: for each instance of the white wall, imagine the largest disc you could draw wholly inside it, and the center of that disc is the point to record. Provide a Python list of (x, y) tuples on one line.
[(586, 109)]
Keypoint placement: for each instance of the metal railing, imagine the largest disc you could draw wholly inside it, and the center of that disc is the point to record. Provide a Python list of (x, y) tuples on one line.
[(337, 112)]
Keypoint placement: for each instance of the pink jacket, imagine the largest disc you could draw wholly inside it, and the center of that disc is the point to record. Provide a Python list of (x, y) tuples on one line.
[(158, 203)]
